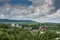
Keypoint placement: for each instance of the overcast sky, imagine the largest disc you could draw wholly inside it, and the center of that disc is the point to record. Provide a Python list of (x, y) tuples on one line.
[(37, 10)]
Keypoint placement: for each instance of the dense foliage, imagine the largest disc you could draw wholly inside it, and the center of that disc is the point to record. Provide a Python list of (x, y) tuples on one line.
[(15, 33)]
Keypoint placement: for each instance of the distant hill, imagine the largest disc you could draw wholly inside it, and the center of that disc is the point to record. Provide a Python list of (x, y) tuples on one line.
[(7, 20), (17, 21)]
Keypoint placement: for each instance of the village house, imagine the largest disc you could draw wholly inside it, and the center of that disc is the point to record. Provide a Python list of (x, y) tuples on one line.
[(34, 31), (57, 32), (57, 38), (15, 25), (43, 28), (29, 28)]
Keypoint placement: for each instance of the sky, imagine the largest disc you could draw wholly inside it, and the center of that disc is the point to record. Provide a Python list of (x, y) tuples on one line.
[(37, 10)]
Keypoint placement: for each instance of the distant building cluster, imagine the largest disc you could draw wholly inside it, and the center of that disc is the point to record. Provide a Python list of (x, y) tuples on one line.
[(41, 28), (16, 25)]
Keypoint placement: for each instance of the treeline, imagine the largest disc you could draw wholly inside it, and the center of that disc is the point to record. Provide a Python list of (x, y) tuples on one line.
[(34, 26), (23, 34), (50, 26)]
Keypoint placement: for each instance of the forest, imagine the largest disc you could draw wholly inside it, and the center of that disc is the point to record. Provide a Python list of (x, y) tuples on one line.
[(8, 32)]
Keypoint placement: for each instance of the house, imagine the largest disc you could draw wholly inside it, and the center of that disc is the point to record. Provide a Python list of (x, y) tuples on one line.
[(57, 38), (34, 31), (57, 32), (13, 24), (43, 28), (29, 28), (17, 25)]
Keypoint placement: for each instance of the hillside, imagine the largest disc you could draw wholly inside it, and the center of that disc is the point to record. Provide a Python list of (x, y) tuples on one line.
[(17, 21)]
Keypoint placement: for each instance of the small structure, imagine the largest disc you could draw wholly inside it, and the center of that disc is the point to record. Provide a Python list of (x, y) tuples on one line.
[(29, 28), (34, 31), (57, 38), (17, 25), (43, 28), (41, 32), (57, 32), (13, 24)]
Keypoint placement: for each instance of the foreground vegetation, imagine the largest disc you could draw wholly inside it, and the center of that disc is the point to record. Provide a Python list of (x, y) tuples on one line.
[(8, 32)]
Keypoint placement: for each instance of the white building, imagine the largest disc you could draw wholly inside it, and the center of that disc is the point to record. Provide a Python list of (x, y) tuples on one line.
[(13, 24), (17, 25), (57, 38), (57, 32)]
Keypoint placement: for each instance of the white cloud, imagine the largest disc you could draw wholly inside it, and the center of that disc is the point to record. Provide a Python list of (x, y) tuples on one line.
[(39, 11), (54, 15), (2, 16)]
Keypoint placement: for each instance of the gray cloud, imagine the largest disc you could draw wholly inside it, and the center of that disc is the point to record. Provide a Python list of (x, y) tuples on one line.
[(40, 10)]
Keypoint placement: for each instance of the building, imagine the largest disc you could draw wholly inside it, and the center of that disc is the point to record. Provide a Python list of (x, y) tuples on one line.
[(29, 28), (43, 28), (15, 25)]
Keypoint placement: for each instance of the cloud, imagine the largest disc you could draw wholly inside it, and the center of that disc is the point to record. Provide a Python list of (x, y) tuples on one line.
[(40, 10), (32, 11), (55, 17)]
